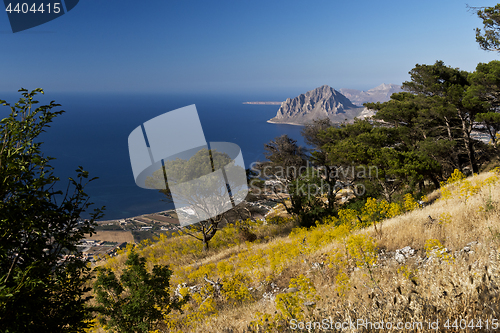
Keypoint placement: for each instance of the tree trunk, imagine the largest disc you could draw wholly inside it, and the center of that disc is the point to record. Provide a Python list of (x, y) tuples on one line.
[(209, 233), (205, 243), (435, 181), (472, 157), (469, 147), (387, 195), (331, 181), (470, 150), (454, 156)]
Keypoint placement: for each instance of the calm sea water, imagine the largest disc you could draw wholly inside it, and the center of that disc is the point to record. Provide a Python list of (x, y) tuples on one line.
[(94, 133)]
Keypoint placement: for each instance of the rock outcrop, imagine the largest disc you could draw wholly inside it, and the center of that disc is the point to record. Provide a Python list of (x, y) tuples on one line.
[(319, 103)]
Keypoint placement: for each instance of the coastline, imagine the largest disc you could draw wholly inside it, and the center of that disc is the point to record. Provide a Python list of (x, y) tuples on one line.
[(283, 123), (170, 211), (263, 103)]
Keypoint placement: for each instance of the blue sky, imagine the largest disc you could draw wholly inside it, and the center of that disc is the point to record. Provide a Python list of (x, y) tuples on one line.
[(166, 46)]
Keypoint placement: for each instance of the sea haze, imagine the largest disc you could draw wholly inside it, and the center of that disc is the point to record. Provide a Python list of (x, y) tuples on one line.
[(94, 133)]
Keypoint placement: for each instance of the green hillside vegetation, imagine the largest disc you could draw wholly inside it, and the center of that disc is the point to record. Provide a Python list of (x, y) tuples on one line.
[(341, 269), (392, 220), (383, 221)]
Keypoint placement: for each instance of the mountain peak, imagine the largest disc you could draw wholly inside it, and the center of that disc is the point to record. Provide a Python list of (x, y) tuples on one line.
[(381, 93), (318, 103)]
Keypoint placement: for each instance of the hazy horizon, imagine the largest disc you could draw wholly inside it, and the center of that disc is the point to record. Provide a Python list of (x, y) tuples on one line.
[(287, 47)]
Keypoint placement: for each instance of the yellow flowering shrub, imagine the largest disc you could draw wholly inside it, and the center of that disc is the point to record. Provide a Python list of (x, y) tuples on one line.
[(235, 288), (410, 203), (363, 249), (371, 210), (408, 273), (330, 220), (376, 211), (445, 218), (347, 216), (464, 189), (433, 247), (467, 190), (268, 323), (491, 180), (455, 177), (291, 304), (342, 284), (338, 262), (391, 210), (201, 307)]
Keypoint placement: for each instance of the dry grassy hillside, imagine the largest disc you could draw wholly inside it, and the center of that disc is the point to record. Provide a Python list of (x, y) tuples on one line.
[(404, 266)]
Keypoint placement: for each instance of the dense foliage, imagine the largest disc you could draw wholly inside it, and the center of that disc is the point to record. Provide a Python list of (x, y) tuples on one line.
[(489, 37), (323, 255), (309, 273), (414, 142), (42, 275), (136, 300), (198, 187)]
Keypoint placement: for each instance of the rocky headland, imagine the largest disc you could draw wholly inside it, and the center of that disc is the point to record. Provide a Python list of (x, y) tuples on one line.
[(340, 106), (319, 103)]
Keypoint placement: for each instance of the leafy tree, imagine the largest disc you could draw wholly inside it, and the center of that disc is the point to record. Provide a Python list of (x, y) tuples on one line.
[(42, 275), (385, 154), (314, 135), (485, 85), (285, 158), (137, 300), (438, 114), (307, 194), (491, 123), (485, 91), (311, 132), (206, 195), (488, 37), (422, 124), (449, 86), (414, 117), (286, 162), (356, 149)]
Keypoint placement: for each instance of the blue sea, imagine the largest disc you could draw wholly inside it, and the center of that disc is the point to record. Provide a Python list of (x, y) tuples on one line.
[(94, 133)]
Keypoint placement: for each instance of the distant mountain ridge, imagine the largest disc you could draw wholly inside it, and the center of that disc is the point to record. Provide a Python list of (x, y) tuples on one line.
[(382, 93), (318, 103)]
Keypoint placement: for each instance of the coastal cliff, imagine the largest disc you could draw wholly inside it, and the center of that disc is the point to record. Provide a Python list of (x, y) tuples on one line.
[(319, 103)]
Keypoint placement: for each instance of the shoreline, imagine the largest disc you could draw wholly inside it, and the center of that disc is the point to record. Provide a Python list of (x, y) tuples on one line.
[(169, 211), (263, 103), (172, 213), (270, 121)]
